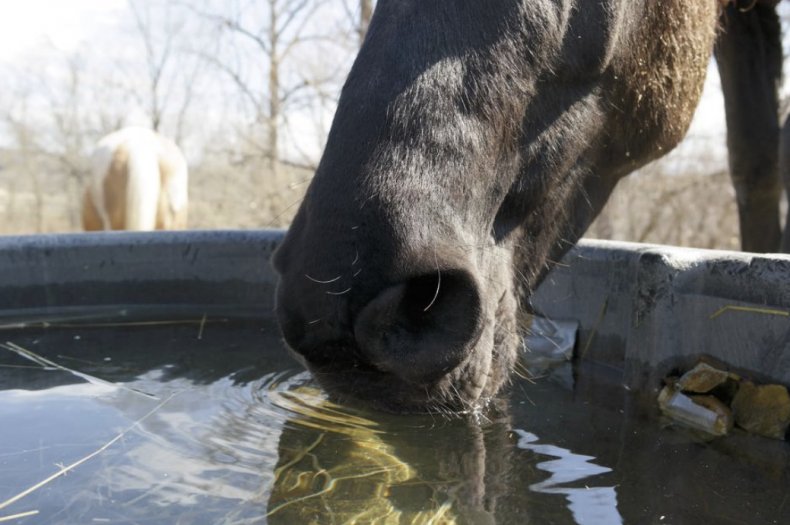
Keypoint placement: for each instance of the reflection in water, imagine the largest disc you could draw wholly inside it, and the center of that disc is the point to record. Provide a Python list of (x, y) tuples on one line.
[(243, 438), (277, 451), (332, 464), (337, 465), (589, 505)]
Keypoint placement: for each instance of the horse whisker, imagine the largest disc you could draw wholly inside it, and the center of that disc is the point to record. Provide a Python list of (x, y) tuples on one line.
[(319, 281)]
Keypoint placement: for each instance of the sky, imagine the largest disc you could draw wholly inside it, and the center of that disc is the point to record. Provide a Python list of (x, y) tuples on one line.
[(29, 26)]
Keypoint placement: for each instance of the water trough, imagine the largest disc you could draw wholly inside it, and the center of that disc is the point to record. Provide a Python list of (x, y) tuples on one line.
[(147, 367), (642, 309)]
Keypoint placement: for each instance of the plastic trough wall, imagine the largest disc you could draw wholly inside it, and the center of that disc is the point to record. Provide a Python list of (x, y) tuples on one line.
[(642, 309)]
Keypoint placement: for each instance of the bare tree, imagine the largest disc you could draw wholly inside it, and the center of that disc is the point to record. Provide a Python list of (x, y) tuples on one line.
[(661, 204), (24, 141), (262, 46), (276, 68), (56, 116), (365, 14), (63, 124), (156, 57), (359, 13), (172, 71)]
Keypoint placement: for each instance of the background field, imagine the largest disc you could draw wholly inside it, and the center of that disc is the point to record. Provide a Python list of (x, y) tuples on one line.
[(248, 89), (653, 205)]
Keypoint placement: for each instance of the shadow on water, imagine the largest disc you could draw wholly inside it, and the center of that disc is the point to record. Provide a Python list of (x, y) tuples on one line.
[(211, 422)]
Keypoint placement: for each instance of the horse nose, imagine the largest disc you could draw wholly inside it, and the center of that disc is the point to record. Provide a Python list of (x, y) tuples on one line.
[(421, 328)]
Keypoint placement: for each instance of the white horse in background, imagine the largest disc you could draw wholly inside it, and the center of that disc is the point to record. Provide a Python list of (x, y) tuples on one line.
[(138, 182)]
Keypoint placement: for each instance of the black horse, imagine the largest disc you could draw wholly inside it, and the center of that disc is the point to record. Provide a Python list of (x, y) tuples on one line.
[(473, 144)]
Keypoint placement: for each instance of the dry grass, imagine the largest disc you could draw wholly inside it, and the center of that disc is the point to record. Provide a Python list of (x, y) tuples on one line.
[(660, 204), (685, 209), (221, 197), (245, 197)]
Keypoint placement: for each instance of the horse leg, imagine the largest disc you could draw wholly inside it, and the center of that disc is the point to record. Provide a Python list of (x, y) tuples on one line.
[(749, 57), (91, 219)]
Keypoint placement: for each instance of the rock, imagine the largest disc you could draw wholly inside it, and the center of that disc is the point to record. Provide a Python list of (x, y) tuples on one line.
[(703, 378), (762, 410), (724, 422), (726, 391)]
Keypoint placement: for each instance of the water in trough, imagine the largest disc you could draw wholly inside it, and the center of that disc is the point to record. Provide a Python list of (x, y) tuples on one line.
[(209, 421)]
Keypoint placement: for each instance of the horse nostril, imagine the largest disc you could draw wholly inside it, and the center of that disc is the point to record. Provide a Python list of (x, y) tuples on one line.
[(422, 328)]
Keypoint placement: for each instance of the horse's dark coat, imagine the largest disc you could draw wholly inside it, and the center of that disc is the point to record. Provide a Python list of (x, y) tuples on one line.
[(473, 144)]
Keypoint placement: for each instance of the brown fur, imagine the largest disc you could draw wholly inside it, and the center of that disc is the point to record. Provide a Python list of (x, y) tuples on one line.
[(114, 185), (664, 76)]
